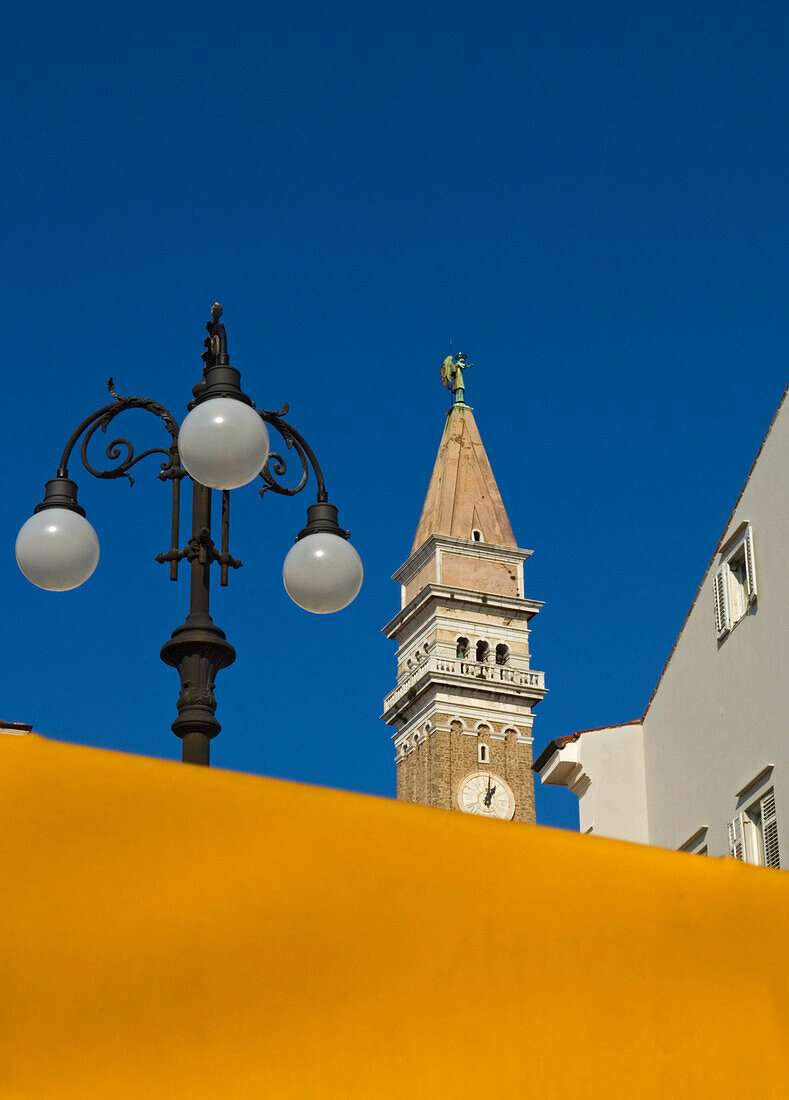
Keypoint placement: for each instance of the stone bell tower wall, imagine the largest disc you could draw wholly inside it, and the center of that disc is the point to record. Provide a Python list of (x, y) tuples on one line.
[(499, 578), (462, 706), (431, 773)]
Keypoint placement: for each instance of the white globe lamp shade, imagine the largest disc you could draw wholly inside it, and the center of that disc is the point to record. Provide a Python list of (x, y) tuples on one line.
[(223, 443), (322, 573), (57, 549)]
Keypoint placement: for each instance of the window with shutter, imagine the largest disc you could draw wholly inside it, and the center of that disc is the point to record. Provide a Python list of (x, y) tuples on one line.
[(737, 838), (753, 835), (722, 604), (717, 599), (771, 856), (734, 585), (738, 589), (750, 564)]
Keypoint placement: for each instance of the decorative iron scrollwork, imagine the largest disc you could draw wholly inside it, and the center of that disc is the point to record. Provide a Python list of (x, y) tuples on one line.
[(276, 465), (122, 448), (120, 451)]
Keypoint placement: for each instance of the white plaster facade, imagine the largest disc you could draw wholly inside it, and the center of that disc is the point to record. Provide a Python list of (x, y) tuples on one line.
[(614, 803), (713, 742)]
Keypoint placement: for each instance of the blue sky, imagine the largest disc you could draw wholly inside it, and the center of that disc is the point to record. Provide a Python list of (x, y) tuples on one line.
[(590, 200)]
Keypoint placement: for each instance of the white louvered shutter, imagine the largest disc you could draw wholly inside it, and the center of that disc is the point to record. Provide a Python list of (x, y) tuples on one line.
[(718, 603), (737, 838), (772, 857), (750, 564), (722, 603)]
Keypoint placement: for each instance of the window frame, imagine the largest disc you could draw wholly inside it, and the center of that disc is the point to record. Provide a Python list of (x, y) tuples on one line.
[(732, 605), (753, 833), (769, 847)]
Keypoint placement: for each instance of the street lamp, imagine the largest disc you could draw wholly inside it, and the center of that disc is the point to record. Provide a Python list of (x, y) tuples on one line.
[(222, 444)]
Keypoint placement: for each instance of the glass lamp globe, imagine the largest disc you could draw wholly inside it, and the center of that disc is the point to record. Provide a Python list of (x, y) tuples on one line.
[(57, 549), (223, 443), (322, 573)]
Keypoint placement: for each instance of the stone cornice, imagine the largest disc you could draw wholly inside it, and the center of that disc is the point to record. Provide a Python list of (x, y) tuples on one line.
[(442, 593)]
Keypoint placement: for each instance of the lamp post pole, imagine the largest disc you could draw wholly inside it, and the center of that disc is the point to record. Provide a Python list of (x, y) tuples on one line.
[(224, 442), (198, 649)]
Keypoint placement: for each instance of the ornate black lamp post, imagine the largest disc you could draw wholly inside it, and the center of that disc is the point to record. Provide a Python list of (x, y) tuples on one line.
[(222, 444)]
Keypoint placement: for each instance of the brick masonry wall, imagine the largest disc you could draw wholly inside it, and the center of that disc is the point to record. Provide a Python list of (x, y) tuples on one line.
[(431, 773)]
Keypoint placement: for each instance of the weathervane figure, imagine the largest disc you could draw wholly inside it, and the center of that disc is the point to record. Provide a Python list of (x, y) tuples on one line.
[(452, 376)]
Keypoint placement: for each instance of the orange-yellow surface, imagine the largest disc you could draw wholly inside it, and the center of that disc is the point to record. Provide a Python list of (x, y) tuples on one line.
[(172, 931)]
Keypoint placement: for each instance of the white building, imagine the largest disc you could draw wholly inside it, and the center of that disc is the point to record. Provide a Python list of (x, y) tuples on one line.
[(706, 768)]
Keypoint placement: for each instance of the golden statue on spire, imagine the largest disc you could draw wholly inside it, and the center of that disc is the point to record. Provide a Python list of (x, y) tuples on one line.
[(452, 376)]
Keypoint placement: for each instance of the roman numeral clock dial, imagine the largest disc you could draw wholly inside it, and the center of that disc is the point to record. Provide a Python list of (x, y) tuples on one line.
[(487, 795)]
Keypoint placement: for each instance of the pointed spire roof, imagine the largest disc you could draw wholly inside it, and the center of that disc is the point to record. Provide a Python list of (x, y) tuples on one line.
[(463, 494)]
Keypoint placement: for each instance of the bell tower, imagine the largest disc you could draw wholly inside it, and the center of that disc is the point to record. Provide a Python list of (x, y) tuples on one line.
[(462, 709)]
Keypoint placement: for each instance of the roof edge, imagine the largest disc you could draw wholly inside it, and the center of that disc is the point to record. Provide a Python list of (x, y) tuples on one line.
[(15, 727), (715, 552), (558, 743)]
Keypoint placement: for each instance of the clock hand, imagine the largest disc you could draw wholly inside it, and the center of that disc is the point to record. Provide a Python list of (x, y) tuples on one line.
[(486, 799), (490, 793)]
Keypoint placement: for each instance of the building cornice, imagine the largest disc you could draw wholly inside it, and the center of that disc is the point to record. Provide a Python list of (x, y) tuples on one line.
[(560, 743), (432, 594), (561, 767), (16, 729)]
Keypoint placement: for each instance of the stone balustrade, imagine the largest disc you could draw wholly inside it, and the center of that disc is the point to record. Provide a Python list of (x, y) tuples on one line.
[(461, 666)]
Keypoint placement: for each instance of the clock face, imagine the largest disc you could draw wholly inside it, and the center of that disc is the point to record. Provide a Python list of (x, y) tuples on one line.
[(486, 794)]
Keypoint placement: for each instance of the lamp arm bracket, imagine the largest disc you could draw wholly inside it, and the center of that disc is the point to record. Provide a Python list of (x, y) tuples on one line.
[(121, 450), (276, 466)]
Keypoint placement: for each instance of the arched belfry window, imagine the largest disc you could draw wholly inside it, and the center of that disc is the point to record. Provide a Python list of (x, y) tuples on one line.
[(476, 535), (483, 754), (502, 654), (462, 647), (482, 651)]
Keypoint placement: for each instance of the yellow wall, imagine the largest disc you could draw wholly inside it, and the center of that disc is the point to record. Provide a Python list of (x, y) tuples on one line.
[(169, 931)]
